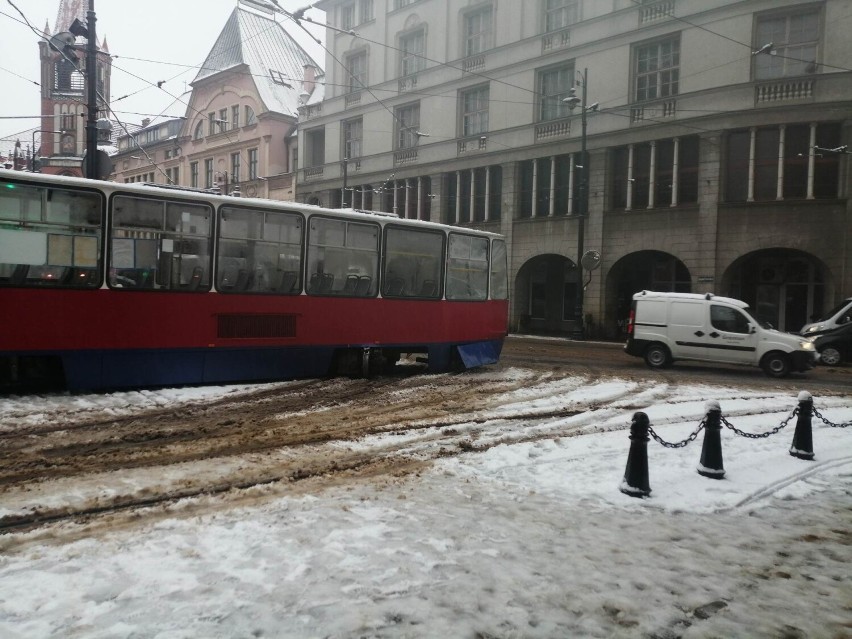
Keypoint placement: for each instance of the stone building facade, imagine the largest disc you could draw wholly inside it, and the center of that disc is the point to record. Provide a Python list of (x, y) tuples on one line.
[(717, 136)]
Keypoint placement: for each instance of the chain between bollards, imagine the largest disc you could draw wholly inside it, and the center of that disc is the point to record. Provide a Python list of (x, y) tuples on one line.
[(828, 423), (635, 482)]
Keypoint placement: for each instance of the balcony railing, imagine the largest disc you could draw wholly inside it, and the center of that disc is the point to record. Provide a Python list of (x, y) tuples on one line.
[(555, 40), (784, 90), (474, 63), (654, 111), (313, 172), (352, 99), (408, 83), (310, 112), (653, 11), (552, 129), (404, 156), (469, 145)]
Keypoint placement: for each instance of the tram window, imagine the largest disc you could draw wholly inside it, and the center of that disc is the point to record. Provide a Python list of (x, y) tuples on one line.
[(343, 258), (159, 244), (49, 237), (467, 268), (413, 260), (499, 271), (260, 252)]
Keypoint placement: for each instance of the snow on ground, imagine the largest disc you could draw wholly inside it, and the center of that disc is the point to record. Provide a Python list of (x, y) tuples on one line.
[(529, 539)]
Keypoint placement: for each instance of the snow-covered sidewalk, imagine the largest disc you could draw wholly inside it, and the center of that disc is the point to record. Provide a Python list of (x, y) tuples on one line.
[(527, 539)]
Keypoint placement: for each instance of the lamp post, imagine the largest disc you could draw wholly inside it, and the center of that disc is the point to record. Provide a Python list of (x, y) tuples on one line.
[(583, 200)]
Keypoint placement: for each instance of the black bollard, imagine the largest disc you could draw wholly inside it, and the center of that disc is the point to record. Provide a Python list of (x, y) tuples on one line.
[(635, 482), (803, 441), (711, 452)]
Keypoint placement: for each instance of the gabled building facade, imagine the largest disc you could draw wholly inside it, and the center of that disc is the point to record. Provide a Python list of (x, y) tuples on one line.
[(716, 135), (237, 133)]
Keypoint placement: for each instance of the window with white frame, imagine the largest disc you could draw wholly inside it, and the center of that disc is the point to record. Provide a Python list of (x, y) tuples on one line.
[(353, 132), (554, 85), (193, 174), (559, 14), (366, 11), (779, 163), (407, 124), (235, 116), (199, 131), (657, 69), (251, 118), (354, 13), (208, 174), (211, 123), (347, 16), (223, 120), (795, 40), (315, 147), (412, 51), (356, 68), (252, 164), (478, 30), (474, 107), (235, 167)]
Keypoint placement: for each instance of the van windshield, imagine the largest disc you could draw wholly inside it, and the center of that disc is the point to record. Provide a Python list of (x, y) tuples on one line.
[(827, 316), (747, 311)]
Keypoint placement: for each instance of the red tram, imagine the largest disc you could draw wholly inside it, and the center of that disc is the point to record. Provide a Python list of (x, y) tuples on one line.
[(106, 285)]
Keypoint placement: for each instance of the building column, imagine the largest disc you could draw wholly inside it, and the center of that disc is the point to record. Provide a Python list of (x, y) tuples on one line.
[(751, 159), (552, 209), (652, 178), (472, 195), (675, 169), (629, 205), (811, 160), (535, 189), (487, 193), (571, 184), (458, 197), (779, 191)]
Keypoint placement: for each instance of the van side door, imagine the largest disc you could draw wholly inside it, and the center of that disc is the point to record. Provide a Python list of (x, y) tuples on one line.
[(688, 329), (731, 337)]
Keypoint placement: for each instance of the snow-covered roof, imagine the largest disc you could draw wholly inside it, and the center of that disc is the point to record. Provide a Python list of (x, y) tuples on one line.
[(275, 60)]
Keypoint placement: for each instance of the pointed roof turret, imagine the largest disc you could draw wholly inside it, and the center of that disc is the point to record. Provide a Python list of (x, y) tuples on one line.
[(46, 32)]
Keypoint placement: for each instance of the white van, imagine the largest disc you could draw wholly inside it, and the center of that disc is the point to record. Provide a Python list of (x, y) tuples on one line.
[(838, 316), (665, 327)]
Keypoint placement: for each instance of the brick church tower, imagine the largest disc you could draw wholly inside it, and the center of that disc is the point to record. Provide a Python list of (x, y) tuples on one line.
[(64, 92)]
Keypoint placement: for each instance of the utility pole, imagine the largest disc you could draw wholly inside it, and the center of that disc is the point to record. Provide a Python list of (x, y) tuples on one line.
[(92, 98)]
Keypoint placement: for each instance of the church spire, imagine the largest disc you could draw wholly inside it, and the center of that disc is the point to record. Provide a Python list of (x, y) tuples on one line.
[(69, 10)]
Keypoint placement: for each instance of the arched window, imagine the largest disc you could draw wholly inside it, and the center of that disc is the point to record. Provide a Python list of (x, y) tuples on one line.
[(199, 130)]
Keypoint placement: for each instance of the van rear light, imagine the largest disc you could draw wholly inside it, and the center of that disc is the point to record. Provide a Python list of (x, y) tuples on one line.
[(630, 320)]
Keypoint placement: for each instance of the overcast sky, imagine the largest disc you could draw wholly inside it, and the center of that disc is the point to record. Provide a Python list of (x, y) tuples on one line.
[(175, 35)]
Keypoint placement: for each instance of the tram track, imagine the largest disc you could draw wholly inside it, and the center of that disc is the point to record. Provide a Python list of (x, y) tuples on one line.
[(89, 468)]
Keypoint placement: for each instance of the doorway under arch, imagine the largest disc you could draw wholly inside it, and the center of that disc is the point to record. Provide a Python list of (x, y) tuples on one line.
[(545, 298), (784, 287), (640, 271)]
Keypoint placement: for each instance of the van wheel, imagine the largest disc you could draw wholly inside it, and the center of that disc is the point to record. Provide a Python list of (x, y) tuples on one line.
[(830, 356), (658, 356), (776, 364)]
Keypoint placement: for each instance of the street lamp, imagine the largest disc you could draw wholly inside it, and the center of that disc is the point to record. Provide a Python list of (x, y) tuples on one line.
[(572, 101)]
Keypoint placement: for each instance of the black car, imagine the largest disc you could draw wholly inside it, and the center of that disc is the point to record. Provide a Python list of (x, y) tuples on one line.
[(835, 346)]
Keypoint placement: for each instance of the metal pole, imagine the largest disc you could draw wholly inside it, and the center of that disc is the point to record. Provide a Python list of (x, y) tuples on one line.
[(582, 206), (92, 100)]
